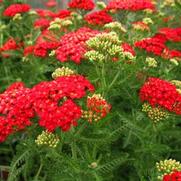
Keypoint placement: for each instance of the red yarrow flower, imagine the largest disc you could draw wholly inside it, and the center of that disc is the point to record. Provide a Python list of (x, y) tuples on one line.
[(42, 23), (16, 8), (128, 48), (52, 102), (82, 4), (176, 176), (98, 18), (130, 5), (172, 34), (51, 3), (28, 50), (10, 44), (158, 92), (72, 45)]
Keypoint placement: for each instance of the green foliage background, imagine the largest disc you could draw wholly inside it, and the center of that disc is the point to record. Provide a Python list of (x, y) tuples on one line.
[(125, 145)]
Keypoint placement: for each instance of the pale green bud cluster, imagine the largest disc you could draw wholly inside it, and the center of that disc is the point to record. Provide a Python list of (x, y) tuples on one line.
[(52, 53), (177, 83), (58, 23), (94, 56), (48, 139), (115, 26), (174, 61), (101, 5), (76, 16), (156, 114), (128, 56), (32, 12), (104, 46), (167, 167), (151, 62), (147, 21), (168, 3), (63, 71), (93, 165), (2, 27), (17, 17)]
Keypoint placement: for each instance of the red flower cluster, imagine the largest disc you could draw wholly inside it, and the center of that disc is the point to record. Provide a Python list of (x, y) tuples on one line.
[(130, 5), (51, 3), (45, 13), (98, 106), (51, 101), (16, 8), (161, 93), (157, 43), (172, 34), (176, 176), (46, 96), (15, 106), (82, 4), (72, 45), (41, 49), (10, 44), (98, 18), (28, 50), (63, 14), (45, 43), (128, 48), (42, 23)]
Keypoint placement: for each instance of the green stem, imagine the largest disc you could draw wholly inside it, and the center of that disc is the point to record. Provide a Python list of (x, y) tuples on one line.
[(39, 171), (74, 152), (113, 81), (103, 78)]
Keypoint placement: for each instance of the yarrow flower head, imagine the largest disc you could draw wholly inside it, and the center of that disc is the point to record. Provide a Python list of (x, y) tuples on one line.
[(157, 43), (175, 176), (97, 108), (115, 26), (59, 23), (98, 18), (72, 45), (130, 5), (158, 92), (51, 3), (13, 9), (140, 25), (156, 114), (101, 5), (82, 4), (151, 62), (104, 44), (107, 47), (63, 71), (10, 44), (52, 102), (48, 139), (167, 167)]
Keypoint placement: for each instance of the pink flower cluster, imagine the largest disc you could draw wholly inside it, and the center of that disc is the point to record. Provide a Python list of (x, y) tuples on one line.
[(52, 102), (16, 8), (72, 45), (130, 5), (158, 92)]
